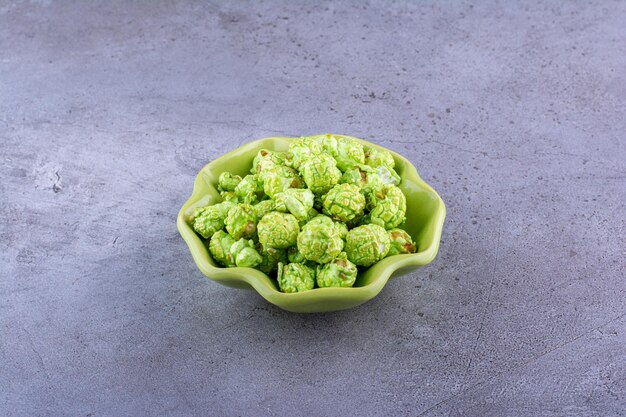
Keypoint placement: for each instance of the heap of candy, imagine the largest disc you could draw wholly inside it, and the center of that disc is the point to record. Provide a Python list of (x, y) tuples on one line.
[(310, 215)]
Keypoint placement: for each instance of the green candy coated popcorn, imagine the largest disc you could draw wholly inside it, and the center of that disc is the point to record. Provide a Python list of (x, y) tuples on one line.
[(241, 221), (294, 255), (389, 209), (219, 247), (278, 230), (228, 181), (271, 258), (347, 152), (320, 173), (245, 254), (339, 272), (388, 175), (320, 240), (301, 150), (249, 189), (280, 178), (401, 242), (376, 157), (272, 216), (295, 277), (386, 214), (363, 176), (298, 202), (367, 244), (208, 220), (392, 193), (344, 202), (263, 207), (229, 196), (266, 159)]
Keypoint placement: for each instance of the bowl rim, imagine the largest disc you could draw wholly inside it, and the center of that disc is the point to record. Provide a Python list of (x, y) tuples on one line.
[(261, 282)]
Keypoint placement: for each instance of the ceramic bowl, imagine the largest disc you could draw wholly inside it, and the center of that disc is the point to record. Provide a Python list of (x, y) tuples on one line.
[(424, 222)]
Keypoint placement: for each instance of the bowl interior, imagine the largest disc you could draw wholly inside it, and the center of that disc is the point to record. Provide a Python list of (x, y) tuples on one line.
[(425, 213)]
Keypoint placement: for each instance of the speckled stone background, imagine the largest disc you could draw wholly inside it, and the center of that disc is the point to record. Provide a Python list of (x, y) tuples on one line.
[(516, 114)]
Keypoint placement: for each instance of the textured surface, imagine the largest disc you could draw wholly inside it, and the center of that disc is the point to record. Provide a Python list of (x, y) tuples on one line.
[(514, 114)]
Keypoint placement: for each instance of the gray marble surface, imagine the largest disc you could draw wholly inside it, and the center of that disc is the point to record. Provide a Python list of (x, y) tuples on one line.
[(514, 113)]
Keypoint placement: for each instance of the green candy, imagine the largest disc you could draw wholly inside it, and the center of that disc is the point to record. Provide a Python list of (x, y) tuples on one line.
[(320, 173), (229, 196), (228, 181), (344, 202), (208, 220), (389, 207), (347, 152), (401, 242), (280, 178), (249, 189), (301, 150), (388, 175), (219, 248), (294, 255), (295, 277), (339, 272), (320, 240), (298, 202), (271, 258), (245, 254), (263, 207), (386, 214), (272, 217), (365, 177), (278, 230), (241, 221), (367, 244), (376, 157), (266, 159)]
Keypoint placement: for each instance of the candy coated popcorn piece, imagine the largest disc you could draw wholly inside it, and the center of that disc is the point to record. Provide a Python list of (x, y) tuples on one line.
[(266, 159), (347, 152), (320, 240), (219, 247), (263, 207), (271, 258), (280, 178), (298, 202), (376, 157), (249, 189), (344, 202), (208, 220), (339, 272), (278, 230), (245, 254), (241, 221), (320, 173), (228, 181), (367, 244), (401, 242), (300, 150), (295, 277), (389, 207), (365, 177)]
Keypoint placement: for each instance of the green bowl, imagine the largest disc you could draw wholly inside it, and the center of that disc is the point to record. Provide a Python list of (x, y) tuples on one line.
[(424, 221)]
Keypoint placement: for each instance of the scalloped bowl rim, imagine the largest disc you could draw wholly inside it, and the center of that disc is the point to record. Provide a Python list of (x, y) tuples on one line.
[(261, 282)]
